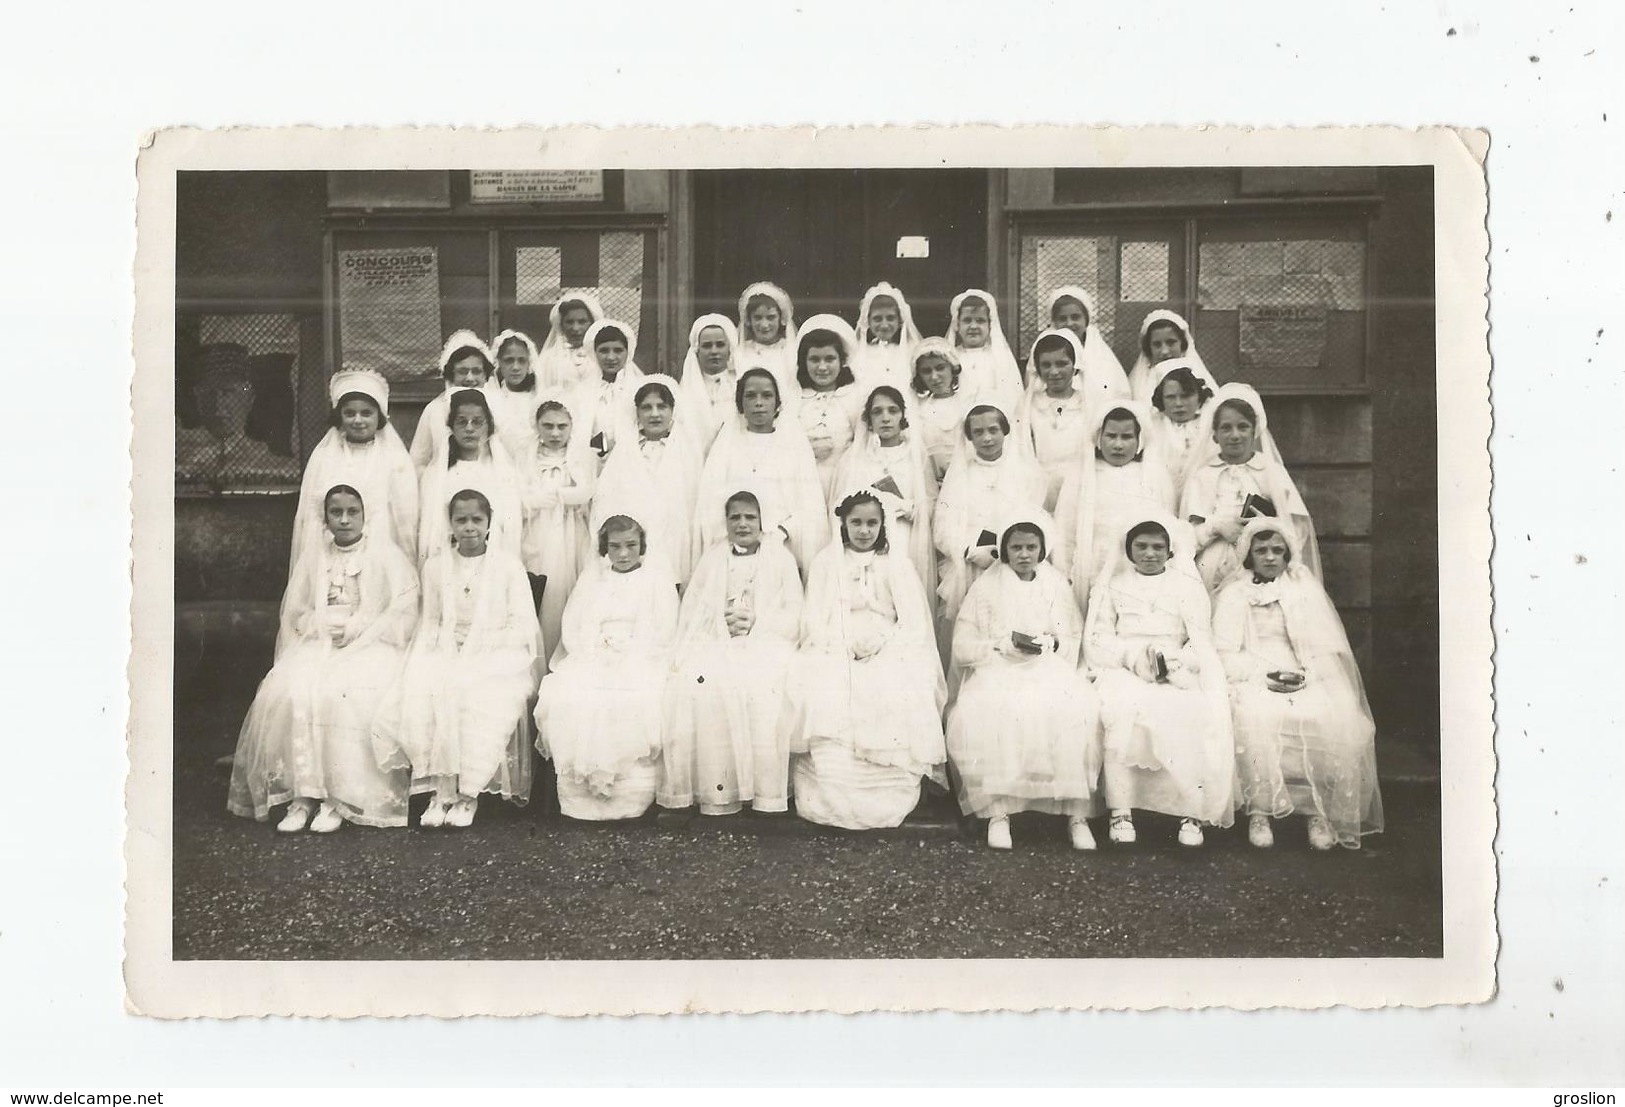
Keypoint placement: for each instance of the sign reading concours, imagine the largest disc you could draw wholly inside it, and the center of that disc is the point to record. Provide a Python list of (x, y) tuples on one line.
[(389, 311), (536, 186)]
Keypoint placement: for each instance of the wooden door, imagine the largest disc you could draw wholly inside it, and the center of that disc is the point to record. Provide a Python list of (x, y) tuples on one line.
[(827, 235)]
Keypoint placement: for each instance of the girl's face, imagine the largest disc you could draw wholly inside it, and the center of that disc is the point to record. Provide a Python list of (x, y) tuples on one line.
[(360, 419), (623, 548), (885, 320), (1119, 440), (1055, 369), (470, 430), (574, 323), (513, 362), (1269, 556), (986, 436), (553, 428), (1235, 436), (973, 326), (1022, 553), (759, 404), (744, 524), (470, 526), (468, 372), (1149, 553), (654, 416), (886, 420), (937, 374), (823, 366), (1178, 405), (1166, 341), (712, 349), (863, 527), (765, 323), (611, 355), (1069, 314), (345, 518)]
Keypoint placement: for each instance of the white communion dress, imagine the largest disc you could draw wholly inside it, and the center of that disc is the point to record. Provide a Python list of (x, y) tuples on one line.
[(1309, 752), (598, 713), (1024, 733), (1168, 744), (461, 719), (347, 616), (866, 694), (726, 745)]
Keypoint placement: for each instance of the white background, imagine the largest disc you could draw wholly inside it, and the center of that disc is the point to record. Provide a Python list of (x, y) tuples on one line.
[(83, 85)]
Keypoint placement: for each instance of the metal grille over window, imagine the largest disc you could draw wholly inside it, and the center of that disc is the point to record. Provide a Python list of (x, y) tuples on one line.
[(1049, 261), (1294, 306), (237, 379)]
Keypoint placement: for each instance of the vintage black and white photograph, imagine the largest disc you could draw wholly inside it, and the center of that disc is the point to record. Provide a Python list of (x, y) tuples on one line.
[(967, 563)]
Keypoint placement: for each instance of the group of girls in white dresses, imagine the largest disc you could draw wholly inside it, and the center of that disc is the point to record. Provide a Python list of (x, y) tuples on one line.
[(826, 566)]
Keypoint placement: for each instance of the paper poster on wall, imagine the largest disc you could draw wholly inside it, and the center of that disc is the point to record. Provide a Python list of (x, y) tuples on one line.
[(1281, 337), (537, 273), (535, 186), (389, 310), (1144, 272)]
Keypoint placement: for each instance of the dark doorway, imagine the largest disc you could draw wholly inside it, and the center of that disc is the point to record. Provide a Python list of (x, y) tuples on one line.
[(826, 235)]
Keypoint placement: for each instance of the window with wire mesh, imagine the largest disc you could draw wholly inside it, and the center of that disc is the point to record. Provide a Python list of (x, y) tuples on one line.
[(1282, 305), (1049, 260), (236, 403)]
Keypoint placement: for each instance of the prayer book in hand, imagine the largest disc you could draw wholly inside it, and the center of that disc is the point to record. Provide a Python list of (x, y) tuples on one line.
[(887, 485), (1255, 505)]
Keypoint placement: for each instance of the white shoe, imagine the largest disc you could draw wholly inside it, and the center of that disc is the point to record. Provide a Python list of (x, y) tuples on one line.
[(1259, 832), (462, 812), (998, 832), (1082, 836), (1121, 831), (1190, 832), (298, 815), (435, 814), (327, 820), (1320, 834)]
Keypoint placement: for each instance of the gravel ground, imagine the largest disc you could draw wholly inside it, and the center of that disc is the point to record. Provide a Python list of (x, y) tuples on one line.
[(528, 884)]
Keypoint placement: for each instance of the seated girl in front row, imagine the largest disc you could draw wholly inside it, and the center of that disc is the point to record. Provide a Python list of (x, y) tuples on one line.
[(598, 715), (459, 720), (1163, 708), (736, 640), (347, 615), (1024, 734), (867, 692), (1303, 729)]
